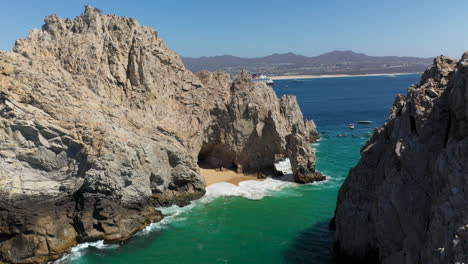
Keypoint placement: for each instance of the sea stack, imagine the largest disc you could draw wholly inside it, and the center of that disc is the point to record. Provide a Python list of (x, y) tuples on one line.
[(406, 200), (100, 123)]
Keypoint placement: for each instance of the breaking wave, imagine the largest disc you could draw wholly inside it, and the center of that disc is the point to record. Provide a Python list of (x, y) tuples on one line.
[(77, 251)]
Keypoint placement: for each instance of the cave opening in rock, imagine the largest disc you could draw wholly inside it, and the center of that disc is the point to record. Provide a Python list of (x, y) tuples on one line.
[(216, 156), (203, 160)]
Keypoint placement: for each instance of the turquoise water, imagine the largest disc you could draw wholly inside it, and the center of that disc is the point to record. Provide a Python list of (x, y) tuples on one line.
[(289, 225)]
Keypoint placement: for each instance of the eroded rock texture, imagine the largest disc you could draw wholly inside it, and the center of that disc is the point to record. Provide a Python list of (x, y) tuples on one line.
[(100, 123), (406, 200)]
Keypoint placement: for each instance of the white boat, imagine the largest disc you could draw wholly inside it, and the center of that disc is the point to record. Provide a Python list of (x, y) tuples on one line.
[(351, 126), (262, 78)]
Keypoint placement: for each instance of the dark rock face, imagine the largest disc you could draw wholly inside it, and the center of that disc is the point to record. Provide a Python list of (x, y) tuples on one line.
[(406, 200), (35, 231), (100, 123)]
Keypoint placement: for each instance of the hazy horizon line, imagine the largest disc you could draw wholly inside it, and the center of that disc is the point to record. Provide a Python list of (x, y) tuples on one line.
[(299, 54)]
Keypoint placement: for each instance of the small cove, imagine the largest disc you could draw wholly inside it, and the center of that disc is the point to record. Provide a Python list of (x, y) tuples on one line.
[(287, 223)]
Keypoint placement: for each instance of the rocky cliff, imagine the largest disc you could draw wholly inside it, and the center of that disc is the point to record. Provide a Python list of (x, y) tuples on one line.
[(406, 200), (100, 123)]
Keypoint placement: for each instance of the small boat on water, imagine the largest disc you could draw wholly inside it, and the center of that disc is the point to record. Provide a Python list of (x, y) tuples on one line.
[(351, 126), (263, 78), (365, 122)]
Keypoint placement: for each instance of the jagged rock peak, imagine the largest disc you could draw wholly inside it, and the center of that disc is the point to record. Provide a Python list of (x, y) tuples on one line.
[(100, 123), (464, 57), (98, 44)]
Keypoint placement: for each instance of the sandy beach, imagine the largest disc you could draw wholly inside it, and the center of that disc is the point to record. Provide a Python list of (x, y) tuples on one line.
[(215, 176), (291, 77)]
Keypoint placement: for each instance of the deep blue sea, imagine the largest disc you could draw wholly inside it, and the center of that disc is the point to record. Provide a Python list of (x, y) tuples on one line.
[(334, 103), (272, 221)]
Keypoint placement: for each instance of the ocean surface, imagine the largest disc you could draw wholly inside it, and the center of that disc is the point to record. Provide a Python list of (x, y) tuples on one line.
[(272, 221)]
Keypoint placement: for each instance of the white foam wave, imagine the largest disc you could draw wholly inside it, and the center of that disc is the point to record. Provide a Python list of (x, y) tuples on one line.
[(171, 214), (254, 190), (284, 166), (317, 183), (328, 183), (77, 251)]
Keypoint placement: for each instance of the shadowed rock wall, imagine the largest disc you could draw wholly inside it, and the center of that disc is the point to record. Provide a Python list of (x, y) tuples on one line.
[(406, 200)]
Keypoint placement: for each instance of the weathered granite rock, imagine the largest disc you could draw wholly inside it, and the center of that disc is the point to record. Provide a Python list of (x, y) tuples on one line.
[(100, 123), (406, 200), (249, 129)]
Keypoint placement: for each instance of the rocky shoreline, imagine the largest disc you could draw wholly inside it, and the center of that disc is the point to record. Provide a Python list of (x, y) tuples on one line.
[(100, 123), (405, 201)]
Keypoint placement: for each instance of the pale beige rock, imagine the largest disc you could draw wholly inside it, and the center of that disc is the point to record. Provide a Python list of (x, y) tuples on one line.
[(98, 117)]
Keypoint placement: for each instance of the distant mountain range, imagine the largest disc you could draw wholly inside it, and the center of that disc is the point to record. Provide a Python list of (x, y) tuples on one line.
[(335, 62)]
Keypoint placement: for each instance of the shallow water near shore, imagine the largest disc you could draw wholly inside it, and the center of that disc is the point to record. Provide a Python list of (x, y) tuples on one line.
[(270, 221)]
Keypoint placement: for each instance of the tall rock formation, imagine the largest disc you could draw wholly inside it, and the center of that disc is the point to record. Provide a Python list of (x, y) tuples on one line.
[(406, 200), (100, 123)]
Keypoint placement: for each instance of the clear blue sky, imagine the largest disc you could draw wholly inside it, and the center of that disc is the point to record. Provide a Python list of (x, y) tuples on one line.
[(257, 28)]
